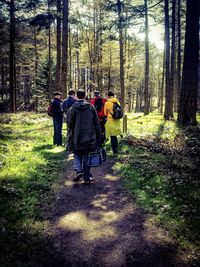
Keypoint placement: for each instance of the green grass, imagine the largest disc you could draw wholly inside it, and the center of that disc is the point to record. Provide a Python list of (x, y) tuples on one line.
[(153, 125), (164, 180), (30, 167)]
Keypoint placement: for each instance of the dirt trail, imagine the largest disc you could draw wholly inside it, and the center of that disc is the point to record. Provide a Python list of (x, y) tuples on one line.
[(99, 225)]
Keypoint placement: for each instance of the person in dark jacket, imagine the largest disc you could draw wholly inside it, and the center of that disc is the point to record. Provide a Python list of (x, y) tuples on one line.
[(57, 118), (84, 133), (69, 101)]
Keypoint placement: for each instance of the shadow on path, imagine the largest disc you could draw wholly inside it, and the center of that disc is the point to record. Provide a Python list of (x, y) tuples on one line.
[(99, 225)]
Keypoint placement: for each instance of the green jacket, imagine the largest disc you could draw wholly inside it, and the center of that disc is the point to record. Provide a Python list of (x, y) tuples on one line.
[(84, 131)]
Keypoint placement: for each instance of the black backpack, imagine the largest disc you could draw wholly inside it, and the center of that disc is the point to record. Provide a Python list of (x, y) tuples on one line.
[(117, 112)]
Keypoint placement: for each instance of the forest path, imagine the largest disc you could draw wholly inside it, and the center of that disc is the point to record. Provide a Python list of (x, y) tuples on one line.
[(99, 224)]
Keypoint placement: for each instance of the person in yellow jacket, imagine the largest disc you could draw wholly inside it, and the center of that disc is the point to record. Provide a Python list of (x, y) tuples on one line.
[(112, 126)]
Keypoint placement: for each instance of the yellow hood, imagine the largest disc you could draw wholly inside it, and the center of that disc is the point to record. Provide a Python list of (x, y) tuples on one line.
[(113, 100)]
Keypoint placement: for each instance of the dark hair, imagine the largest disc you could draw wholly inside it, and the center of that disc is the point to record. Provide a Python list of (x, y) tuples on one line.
[(71, 92), (81, 94), (110, 93), (96, 93)]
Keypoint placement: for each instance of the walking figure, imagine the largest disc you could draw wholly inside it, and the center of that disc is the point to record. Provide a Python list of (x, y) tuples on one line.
[(83, 135)]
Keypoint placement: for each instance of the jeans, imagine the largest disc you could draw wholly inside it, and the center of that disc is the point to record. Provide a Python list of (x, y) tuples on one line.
[(114, 143), (81, 163), (57, 124)]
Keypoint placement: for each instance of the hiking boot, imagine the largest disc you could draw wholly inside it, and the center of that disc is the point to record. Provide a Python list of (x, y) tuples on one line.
[(78, 176), (88, 180)]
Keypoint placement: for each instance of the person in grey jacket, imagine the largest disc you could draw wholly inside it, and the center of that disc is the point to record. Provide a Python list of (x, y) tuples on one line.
[(84, 134)]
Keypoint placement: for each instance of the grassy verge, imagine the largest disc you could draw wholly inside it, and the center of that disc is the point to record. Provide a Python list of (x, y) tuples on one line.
[(29, 166), (160, 163)]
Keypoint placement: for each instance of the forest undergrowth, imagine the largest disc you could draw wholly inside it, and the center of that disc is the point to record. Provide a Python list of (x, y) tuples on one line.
[(29, 170), (159, 162)]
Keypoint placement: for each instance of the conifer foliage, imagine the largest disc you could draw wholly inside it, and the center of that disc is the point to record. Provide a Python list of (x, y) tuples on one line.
[(100, 45)]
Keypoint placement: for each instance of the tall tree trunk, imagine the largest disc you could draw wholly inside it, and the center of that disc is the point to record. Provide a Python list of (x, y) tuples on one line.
[(65, 48), (146, 89), (58, 47), (173, 41), (35, 50), (162, 85), (49, 47), (178, 90), (77, 59), (189, 87), (70, 59), (167, 113), (2, 81), (121, 54), (12, 81), (91, 70), (109, 71), (100, 51)]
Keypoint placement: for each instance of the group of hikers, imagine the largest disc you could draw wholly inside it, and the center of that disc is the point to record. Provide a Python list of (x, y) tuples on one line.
[(89, 124)]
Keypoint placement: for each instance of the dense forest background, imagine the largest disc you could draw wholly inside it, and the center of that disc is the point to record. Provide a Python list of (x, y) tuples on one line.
[(50, 45)]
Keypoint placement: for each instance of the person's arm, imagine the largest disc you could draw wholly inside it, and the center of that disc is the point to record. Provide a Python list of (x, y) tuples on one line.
[(70, 119), (105, 110), (118, 102)]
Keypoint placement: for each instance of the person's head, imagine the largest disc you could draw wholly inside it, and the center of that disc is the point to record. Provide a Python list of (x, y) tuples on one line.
[(96, 93), (71, 92), (81, 94), (110, 94), (57, 94)]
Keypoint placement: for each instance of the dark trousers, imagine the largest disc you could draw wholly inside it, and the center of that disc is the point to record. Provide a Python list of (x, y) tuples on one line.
[(103, 134), (114, 143), (57, 124)]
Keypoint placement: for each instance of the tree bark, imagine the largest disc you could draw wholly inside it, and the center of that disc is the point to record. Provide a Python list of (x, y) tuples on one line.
[(65, 48), (58, 47), (146, 89), (77, 58), (122, 100), (189, 87), (35, 50), (162, 86), (12, 81), (109, 71), (178, 90), (70, 59), (2, 81), (49, 51), (172, 72), (167, 113)]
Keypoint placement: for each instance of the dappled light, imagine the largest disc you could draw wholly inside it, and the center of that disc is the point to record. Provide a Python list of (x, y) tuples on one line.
[(99, 133), (116, 220), (102, 224), (90, 229)]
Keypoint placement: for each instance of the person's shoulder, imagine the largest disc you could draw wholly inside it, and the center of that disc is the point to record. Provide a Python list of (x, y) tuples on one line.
[(90, 106)]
